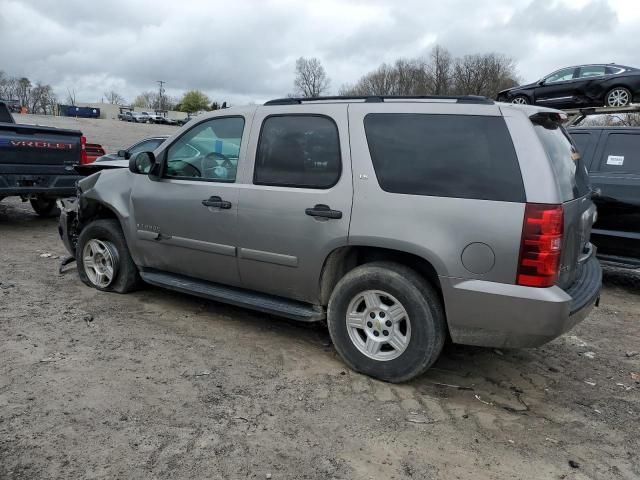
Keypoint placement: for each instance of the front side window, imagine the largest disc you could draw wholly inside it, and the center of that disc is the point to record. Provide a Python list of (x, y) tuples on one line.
[(592, 71), (462, 156), (561, 76), (298, 151), (208, 151)]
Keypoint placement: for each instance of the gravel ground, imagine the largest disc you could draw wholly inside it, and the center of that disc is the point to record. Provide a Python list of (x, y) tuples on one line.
[(161, 385)]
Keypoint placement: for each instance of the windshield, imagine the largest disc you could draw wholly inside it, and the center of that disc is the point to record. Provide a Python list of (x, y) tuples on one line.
[(571, 174)]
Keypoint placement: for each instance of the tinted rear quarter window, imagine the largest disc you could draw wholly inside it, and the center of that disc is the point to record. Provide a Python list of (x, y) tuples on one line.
[(444, 155), (298, 151), (621, 153), (567, 164)]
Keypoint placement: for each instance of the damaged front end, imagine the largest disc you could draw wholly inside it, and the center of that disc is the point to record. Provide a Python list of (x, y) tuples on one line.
[(70, 222), (68, 225)]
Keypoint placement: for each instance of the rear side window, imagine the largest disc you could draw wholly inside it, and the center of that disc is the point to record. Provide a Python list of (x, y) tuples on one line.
[(567, 164), (621, 153), (444, 155), (298, 151)]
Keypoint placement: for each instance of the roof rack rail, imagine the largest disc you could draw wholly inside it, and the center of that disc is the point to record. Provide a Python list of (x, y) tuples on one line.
[(380, 98)]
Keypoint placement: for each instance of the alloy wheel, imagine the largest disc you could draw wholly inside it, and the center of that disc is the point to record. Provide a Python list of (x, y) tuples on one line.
[(618, 97), (378, 325), (519, 101), (100, 260)]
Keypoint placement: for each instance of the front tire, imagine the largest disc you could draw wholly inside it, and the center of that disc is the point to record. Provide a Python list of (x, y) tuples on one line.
[(386, 321), (520, 100), (44, 206), (618, 97), (103, 258)]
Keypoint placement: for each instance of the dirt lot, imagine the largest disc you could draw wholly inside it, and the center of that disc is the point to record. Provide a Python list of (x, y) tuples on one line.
[(162, 385)]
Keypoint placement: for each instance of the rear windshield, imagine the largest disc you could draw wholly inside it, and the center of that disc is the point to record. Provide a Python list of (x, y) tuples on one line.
[(459, 156), (568, 166)]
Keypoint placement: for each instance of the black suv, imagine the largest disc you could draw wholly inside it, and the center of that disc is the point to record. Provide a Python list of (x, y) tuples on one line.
[(612, 156)]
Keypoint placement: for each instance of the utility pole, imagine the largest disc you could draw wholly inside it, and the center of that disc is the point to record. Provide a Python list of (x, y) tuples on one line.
[(161, 94)]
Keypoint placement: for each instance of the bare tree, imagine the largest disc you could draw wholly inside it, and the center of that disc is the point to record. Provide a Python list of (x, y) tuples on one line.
[(114, 98), (483, 74), (311, 79), (42, 99), (438, 74), (439, 70), (8, 87), (23, 91), (71, 96)]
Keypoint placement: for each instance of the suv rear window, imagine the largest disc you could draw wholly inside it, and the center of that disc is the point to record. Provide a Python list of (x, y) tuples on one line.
[(460, 156), (571, 175)]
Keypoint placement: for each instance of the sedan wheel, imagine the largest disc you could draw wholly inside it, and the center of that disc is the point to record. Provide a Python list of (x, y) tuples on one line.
[(618, 97), (100, 260), (520, 100)]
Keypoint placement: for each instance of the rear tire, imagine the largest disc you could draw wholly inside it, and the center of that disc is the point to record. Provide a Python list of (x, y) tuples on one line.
[(618, 97), (103, 258), (386, 321), (44, 206)]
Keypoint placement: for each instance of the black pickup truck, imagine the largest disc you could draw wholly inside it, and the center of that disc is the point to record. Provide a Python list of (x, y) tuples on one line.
[(37, 163), (612, 156)]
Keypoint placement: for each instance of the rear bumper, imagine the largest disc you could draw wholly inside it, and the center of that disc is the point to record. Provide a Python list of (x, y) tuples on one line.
[(511, 316), (25, 185)]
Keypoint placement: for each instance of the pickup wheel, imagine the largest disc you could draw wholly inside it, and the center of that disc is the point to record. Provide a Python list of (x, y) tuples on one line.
[(43, 206), (103, 258), (386, 321)]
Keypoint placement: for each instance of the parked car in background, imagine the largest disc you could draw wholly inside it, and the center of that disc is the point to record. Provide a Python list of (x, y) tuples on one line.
[(146, 145), (181, 121), (37, 163), (612, 155), (164, 120), (399, 222), (595, 85), (133, 117)]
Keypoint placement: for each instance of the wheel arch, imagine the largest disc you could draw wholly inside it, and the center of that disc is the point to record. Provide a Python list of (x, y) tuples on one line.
[(342, 260)]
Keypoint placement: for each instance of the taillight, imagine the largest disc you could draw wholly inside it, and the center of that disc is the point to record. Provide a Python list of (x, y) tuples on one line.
[(83, 151), (541, 245)]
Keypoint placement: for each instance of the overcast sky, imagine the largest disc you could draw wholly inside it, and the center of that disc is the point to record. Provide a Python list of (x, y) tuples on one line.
[(243, 51)]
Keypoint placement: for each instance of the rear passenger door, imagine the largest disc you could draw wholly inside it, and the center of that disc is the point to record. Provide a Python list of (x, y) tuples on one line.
[(295, 206)]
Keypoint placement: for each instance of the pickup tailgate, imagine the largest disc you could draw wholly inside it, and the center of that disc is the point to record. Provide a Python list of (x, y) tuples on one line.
[(36, 159)]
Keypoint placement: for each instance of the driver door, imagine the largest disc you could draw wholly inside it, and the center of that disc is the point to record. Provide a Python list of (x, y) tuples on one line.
[(186, 221), (558, 89)]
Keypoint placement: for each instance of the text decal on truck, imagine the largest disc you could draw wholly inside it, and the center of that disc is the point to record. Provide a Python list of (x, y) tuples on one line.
[(35, 144)]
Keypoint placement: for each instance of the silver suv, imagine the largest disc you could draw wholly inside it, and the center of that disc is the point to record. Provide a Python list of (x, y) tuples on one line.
[(399, 221)]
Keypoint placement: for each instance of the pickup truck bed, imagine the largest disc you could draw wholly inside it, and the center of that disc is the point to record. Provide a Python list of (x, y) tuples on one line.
[(37, 163)]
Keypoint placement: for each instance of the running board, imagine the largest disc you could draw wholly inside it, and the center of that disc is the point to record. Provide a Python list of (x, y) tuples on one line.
[(262, 302)]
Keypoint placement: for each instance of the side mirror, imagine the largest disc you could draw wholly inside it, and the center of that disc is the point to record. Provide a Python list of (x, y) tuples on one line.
[(124, 154), (142, 163), (541, 82)]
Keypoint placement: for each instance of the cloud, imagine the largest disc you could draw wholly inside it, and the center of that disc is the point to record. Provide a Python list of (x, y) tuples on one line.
[(245, 50)]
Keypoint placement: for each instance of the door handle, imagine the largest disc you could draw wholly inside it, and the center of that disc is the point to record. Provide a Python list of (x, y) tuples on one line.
[(321, 210), (216, 202)]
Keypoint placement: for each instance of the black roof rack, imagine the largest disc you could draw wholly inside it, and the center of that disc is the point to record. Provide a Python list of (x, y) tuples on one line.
[(380, 99)]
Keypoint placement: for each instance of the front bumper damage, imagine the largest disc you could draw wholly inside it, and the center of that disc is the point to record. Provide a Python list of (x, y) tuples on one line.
[(68, 223)]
